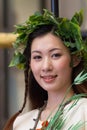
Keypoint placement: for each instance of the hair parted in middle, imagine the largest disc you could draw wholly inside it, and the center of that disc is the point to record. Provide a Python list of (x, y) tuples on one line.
[(37, 95)]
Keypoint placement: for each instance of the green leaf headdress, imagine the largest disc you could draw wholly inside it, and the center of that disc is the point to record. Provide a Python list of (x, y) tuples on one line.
[(68, 30)]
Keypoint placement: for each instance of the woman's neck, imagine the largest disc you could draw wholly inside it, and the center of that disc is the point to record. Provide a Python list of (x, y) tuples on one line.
[(55, 99), (53, 103)]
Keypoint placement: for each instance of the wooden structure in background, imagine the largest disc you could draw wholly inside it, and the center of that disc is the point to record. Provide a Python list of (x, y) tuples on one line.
[(6, 39)]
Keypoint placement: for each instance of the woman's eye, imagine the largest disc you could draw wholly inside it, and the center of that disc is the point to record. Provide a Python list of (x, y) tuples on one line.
[(37, 57), (56, 55)]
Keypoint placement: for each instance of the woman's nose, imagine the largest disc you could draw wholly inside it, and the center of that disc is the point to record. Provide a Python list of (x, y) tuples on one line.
[(47, 65)]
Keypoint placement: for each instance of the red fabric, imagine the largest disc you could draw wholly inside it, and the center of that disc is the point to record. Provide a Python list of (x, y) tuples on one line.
[(44, 125)]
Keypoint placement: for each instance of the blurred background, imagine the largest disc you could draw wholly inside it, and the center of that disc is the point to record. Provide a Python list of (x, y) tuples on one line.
[(11, 79)]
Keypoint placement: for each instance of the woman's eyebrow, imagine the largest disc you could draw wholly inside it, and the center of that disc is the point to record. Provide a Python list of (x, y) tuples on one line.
[(55, 49), (35, 51)]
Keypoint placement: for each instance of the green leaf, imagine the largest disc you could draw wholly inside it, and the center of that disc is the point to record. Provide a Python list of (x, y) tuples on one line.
[(78, 18), (80, 78), (77, 126), (18, 60)]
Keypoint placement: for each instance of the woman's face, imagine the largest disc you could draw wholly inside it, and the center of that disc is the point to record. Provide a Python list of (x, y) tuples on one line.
[(50, 63)]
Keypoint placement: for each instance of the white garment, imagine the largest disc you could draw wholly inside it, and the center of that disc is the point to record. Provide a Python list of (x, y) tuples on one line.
[(76, 114)]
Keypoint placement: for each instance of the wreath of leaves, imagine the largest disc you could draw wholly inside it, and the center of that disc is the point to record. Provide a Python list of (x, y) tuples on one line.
[(66, 29)]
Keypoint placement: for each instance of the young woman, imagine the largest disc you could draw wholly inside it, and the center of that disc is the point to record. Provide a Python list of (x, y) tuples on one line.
[(52, 58)]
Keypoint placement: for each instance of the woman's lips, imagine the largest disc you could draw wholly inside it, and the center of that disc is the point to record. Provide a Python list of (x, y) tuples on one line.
[(49, 78)]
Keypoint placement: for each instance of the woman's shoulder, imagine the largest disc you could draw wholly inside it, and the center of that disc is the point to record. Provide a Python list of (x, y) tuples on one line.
[(28, 114), (75, 112), (25, 119), (83, 105), (82, 102), (77, 106)]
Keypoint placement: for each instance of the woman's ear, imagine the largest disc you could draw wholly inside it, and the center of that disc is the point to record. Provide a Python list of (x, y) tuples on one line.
[(75, 60)]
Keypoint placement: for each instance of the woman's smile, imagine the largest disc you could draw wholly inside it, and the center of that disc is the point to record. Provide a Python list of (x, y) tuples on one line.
[(48, 78)]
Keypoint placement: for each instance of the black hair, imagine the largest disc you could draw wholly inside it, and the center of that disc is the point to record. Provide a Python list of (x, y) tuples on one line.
[(37, 95)]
